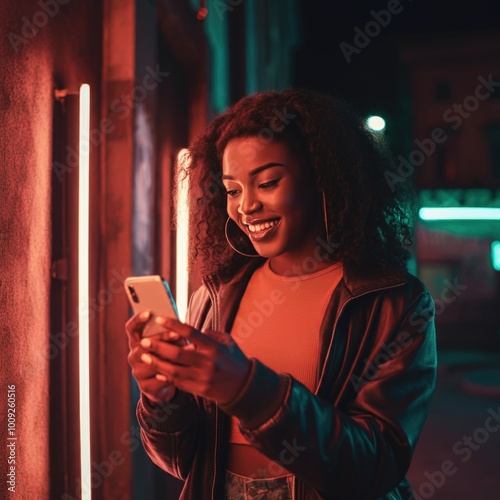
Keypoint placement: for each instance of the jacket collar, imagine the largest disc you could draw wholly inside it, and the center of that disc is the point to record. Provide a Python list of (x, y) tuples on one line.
[(357, 281), (229, 293), (360, 281)]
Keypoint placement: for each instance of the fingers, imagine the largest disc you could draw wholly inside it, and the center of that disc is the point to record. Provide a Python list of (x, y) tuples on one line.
[(141, 371), (167, 351), (221, 337), (215, 369), (167, 359), (135, 325), (173, 373), (187, 332), (137, 321), (156, 386), (176, 326), (157, 390)]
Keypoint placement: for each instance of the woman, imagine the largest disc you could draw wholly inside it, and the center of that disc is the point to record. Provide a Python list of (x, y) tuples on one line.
[(312, 356)]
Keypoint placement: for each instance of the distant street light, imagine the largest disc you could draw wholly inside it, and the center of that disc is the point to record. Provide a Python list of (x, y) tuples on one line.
[(375, 123)]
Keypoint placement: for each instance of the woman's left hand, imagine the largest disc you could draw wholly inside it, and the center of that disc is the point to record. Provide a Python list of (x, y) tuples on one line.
[(212, 366)]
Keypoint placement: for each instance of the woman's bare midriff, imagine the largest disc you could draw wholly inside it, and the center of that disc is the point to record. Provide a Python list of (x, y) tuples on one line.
[(248, 461)]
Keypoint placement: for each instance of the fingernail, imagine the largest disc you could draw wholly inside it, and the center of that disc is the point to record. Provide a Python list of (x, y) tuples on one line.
[(160, 320), (146, 358), (146, 343), (161, 377), (144, 315), (173, 336)]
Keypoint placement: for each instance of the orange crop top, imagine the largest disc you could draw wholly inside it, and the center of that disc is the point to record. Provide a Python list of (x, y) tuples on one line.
[(278, 322)]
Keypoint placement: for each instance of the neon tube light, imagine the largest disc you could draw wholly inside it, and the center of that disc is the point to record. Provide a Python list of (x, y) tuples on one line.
[(495, 255), (181, 254), (83, 289), (459, 213)]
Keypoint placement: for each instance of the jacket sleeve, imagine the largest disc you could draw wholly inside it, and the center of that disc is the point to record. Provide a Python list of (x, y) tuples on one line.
[(169, 432), (364, 450)]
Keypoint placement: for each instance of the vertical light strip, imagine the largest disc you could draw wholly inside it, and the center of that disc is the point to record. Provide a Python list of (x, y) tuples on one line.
[(495, 255), (83, 288), (182, 225)]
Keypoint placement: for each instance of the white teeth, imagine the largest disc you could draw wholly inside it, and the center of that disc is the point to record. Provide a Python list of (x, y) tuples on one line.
[(260, 227)]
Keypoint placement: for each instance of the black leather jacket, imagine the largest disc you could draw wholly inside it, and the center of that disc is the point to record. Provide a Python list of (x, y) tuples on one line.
[(354, 436)]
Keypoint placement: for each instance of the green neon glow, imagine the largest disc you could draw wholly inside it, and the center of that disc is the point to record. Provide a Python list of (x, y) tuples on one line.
[(459, 213), (495, 254)]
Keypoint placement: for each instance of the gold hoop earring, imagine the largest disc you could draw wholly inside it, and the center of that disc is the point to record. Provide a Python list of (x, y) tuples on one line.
[(232, 246), (325, 214)]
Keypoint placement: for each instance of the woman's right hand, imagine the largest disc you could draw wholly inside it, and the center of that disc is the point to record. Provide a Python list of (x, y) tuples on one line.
[(153, 385)]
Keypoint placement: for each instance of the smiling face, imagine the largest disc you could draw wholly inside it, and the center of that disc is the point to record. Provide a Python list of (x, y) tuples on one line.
[(272, 199)]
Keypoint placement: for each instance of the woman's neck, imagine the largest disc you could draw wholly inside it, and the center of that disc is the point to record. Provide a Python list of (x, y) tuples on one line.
[(298, 265)]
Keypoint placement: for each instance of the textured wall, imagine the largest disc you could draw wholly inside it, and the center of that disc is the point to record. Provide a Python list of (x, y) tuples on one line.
[(39, 41), (25, 137)]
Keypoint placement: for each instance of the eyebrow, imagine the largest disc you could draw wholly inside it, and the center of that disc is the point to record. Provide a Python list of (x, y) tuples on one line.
[(255, 171)]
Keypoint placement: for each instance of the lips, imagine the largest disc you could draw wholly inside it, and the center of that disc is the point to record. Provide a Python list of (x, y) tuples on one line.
[(260, 229)]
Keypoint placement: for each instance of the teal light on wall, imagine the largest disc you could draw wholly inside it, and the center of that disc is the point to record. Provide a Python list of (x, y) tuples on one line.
[(459, 213), (272, 33), (215, 24), (495, 255)]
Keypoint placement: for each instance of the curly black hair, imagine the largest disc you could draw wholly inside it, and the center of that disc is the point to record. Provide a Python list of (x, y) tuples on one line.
[(368, 219)]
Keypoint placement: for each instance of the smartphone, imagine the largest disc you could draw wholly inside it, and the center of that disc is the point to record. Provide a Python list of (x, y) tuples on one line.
[(152, 293)]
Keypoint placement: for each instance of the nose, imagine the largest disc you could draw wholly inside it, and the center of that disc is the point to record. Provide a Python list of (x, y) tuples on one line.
[(249, 204)]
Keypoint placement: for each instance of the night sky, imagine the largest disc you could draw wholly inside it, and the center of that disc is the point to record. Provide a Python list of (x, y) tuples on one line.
[(369, 81)]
